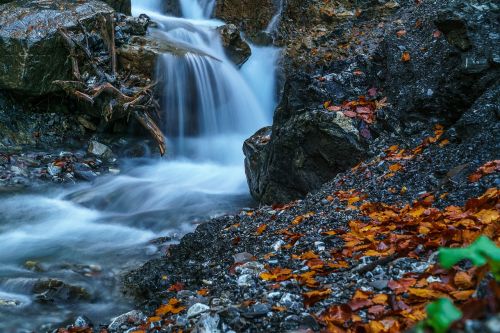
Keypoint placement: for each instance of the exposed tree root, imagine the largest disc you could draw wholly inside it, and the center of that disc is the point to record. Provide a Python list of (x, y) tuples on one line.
[(107, 89)]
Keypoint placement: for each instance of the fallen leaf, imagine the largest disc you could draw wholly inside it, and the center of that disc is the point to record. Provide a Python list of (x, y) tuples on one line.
[(312, 297), (261, 229), (172, 307), (406, 56)]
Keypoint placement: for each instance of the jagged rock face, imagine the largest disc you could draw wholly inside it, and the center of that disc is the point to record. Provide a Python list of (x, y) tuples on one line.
[(302, 153), (33, 53), (251, 16), (237, 50)]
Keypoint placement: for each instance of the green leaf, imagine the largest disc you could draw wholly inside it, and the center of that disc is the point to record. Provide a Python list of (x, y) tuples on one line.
[(441, 315), (479, 253)]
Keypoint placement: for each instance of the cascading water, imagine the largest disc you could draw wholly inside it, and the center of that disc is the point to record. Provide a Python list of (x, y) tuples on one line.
[(209, 108)]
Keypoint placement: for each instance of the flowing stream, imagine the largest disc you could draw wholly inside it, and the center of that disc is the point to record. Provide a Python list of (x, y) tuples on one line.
[(88, 234)]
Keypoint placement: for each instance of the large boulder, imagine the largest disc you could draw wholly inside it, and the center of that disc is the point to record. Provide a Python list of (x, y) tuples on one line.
[(301, 154), (237, 50), (33, 53)]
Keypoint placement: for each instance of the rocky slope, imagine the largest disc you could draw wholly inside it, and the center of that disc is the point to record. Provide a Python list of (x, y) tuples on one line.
[(413, 64)]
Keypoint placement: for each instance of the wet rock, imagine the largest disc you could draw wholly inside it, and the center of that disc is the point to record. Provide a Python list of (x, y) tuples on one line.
[(207, 323), (52, 290), (197, 309), (82, 322), (100, 150), (127, 319), (7, 302), (33, 58), (237, 50), (302, 154), (34, 266)]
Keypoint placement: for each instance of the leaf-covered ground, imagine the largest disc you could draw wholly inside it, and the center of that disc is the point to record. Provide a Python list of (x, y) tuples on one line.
[(357, 256)]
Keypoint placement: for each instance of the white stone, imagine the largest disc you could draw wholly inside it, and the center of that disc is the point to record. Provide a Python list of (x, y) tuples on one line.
[(197, 309)]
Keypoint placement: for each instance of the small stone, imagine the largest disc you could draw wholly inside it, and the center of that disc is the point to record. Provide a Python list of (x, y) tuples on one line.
[(379, 284), (197, 309), (245, 280), (83, 322), (243, 257)]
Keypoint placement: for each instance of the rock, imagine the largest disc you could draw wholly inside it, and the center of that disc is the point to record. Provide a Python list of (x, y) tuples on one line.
[(34, 266), (245, 280), (379, 284), (52, 290), (207, 324), (100, 150), (197, 309), (237, 50), (82, 322), (302, 154), (251, 16), (243, 257), (8, 302), (32, 58), (133, 317)]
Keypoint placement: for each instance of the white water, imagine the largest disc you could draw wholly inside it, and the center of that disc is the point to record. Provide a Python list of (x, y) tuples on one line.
[(209, 108)]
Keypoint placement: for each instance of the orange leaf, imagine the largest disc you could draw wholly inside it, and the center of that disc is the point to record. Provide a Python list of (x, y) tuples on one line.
[(261, 229), (312, 297), (406, 56), (425, 293), (203, 292), (277, 274), (380, 299), (173, 307), (395, 167)]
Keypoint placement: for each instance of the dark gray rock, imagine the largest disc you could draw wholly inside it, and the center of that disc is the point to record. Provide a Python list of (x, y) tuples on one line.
[(33, 53), (301, 154), (237, 50), (52, 290)]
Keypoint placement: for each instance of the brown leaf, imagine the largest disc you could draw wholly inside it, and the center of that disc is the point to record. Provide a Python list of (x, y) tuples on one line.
[(405, 57), (336, 314), (463, 280), (261, 229), (312, 297)]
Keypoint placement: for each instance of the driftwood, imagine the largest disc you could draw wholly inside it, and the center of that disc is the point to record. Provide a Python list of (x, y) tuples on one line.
[(108, 89)]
